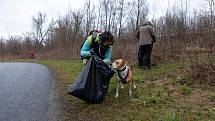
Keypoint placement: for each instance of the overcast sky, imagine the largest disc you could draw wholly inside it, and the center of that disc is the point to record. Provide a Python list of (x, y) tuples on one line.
[(16, 15)]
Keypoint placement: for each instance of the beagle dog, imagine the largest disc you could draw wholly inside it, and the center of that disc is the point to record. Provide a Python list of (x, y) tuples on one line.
[(124, 76)]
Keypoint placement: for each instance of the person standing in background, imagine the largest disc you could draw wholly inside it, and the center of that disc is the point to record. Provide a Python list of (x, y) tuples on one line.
[(146, 37)]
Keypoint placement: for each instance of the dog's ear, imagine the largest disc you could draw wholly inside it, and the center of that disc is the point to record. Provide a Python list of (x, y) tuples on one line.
[(123, 62)]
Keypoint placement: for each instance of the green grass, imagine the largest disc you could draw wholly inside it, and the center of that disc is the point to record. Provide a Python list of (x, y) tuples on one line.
[(158, 93), (185, 90), (171, 116)]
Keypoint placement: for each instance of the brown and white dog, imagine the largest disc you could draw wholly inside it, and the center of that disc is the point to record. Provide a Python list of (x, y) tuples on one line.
[(124, 76)]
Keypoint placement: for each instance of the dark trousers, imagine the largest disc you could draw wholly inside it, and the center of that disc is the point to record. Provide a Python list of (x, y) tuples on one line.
[(144, 55)]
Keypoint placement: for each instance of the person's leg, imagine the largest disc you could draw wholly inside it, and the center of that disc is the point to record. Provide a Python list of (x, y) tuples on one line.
[(144, 55), (148, 55), (151, 46), (140, 55)]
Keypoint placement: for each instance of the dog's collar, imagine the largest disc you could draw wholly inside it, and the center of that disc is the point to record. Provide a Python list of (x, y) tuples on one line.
[(123, 69)]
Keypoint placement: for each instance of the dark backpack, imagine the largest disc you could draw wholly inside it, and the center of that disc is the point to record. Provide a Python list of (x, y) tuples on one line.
[(94, 35)]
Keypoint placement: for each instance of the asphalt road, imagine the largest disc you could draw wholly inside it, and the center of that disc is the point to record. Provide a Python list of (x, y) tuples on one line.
[(25, 92)]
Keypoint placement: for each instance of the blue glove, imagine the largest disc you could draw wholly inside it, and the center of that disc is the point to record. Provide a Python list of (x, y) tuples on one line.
[(92, 52)]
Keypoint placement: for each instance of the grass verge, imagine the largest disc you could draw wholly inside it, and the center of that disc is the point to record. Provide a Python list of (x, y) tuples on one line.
[(159, 96)]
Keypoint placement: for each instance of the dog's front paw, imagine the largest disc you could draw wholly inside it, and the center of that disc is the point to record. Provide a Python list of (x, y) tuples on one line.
[(122, 87), (130, 94), (134, 86), (116, 95)]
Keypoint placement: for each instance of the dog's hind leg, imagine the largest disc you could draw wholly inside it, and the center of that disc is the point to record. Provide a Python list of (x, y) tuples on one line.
[(117, 89), (121, 86), (134, 84), (129, 89)]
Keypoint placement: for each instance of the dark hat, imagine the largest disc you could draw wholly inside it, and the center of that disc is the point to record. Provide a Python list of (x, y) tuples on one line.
[(106, 36), (147, 23)]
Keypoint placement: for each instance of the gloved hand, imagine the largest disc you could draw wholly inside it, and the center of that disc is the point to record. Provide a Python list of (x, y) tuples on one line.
[(85, 61), (92, 52), (105, 61)]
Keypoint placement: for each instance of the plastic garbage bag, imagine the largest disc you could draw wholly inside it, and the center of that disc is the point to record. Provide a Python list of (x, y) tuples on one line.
[(93, 82)]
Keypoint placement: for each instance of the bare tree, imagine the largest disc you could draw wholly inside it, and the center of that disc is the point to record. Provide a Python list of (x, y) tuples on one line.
[(2, 48), (39, 29), (121, 9), (142, 11), (99, 16), (89, 15), (77, 18), (138, 14), (106, 9), (14, 46), (112, 14), (211, 4), (28, 44)]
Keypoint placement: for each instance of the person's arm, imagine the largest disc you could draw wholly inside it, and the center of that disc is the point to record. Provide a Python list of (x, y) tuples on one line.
[(108, 55), (86, 47), (138, 34), (152, 33)]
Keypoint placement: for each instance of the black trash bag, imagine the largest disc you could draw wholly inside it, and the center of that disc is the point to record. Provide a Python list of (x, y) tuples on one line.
[(93, 82)]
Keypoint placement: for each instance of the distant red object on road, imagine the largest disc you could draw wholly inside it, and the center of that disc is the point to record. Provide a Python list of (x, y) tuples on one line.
[(32, 53)]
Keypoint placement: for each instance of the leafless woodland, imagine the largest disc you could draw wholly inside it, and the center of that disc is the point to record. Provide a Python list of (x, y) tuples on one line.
[(181, 34)]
